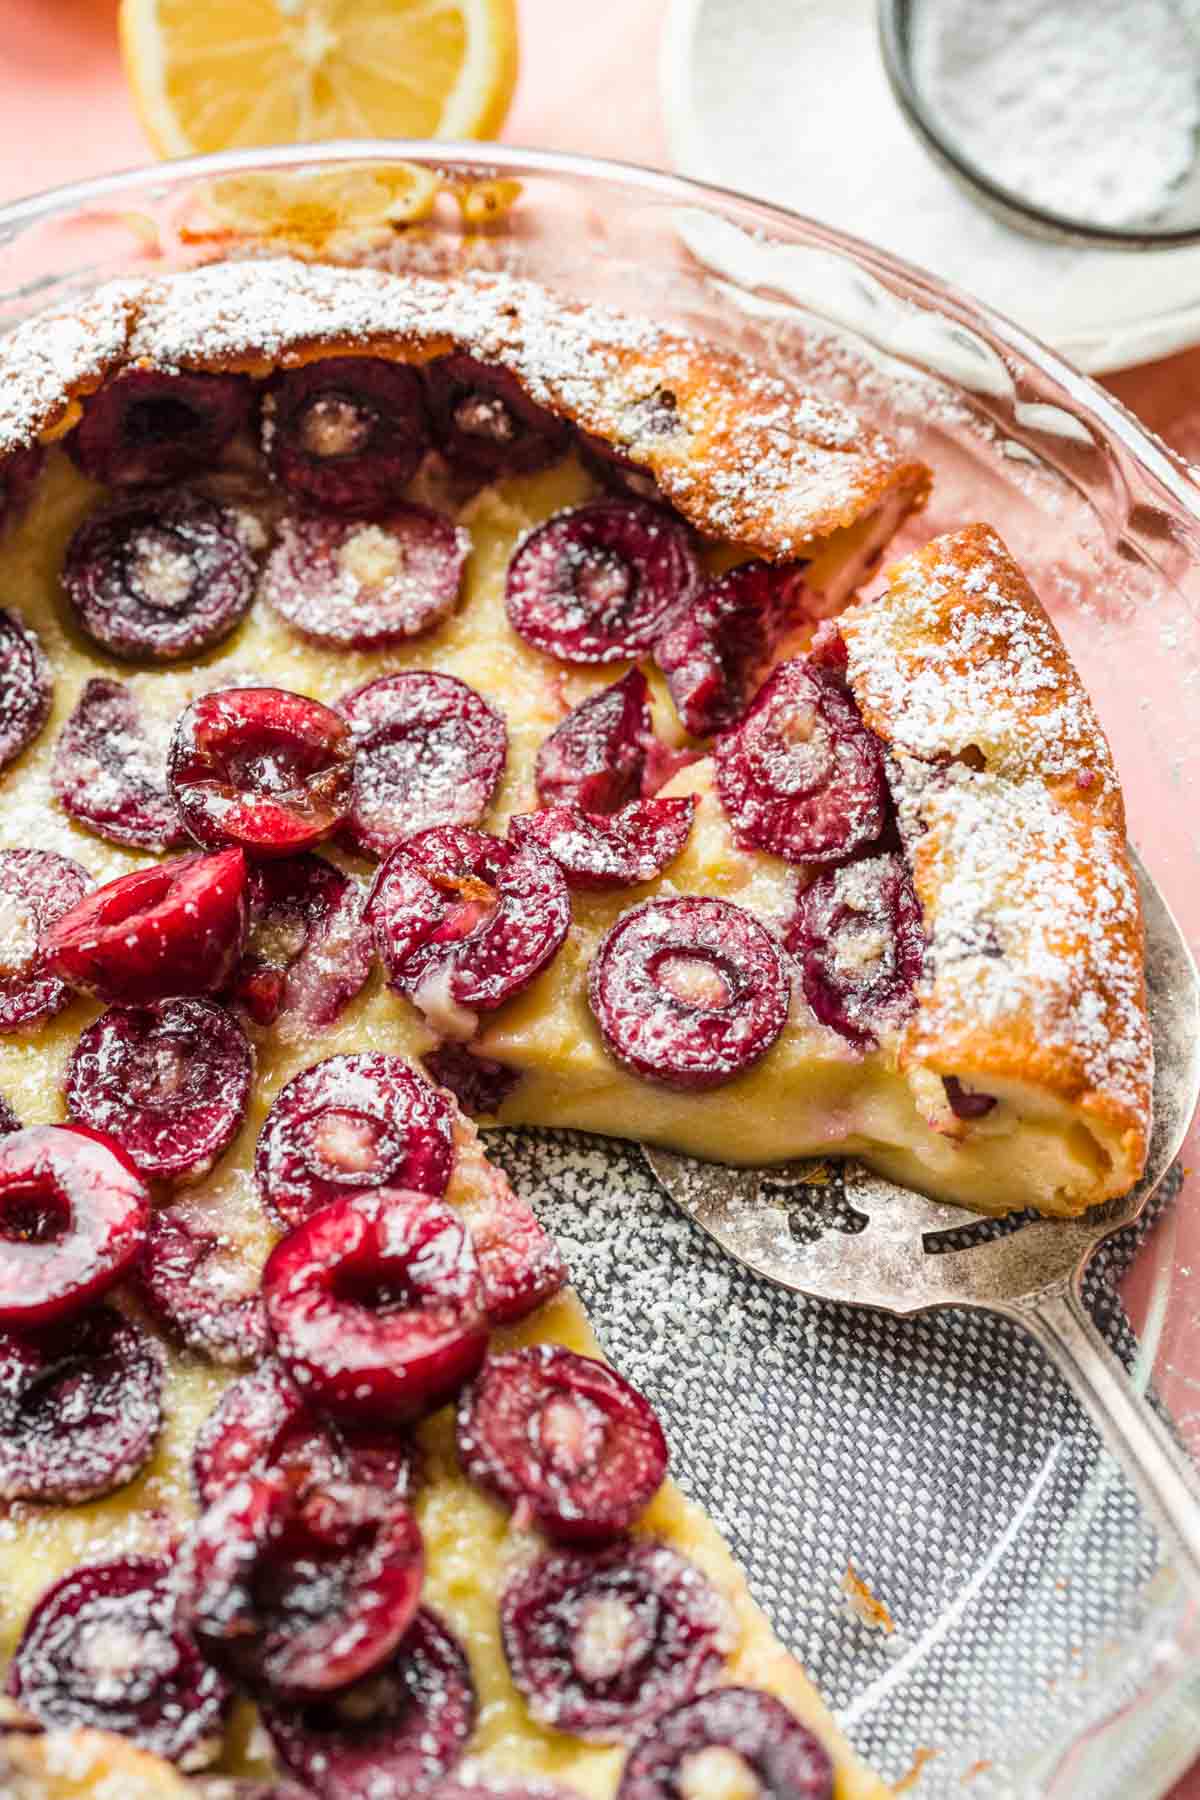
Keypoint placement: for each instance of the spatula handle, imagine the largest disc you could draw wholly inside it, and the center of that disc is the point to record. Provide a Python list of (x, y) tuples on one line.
[(1157, 1465)]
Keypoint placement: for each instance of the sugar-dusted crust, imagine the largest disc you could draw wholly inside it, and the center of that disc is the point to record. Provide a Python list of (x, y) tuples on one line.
[(744, 454), (1009, 803)]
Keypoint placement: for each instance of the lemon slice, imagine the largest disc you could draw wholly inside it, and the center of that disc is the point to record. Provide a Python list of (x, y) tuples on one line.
[(232, 74)]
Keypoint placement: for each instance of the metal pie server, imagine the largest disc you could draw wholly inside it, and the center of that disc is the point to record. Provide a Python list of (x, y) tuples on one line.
[(880, 1254)]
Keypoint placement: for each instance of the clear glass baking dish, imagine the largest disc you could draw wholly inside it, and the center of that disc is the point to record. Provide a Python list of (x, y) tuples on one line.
[(1107, 521)]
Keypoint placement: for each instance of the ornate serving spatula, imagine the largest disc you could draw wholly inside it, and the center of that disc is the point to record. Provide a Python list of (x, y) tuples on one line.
[(870, 1243)]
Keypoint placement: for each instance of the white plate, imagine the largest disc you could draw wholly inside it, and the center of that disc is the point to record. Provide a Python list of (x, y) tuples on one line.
[(788, 100)]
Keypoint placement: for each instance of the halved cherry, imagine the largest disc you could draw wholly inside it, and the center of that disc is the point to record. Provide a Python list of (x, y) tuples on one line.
[(858, 939), (520, 1264), (170, 1082), (376, 1305), (36, 888), (599, 582), (73, 1217), (80, 1408), (260, 767), (110, 770), (689, 992), (462, 921), (191, 1283), (18, 477), (309, 951), (150, 427), (485, 423), (391, 1735), (26, 687), (352, 1122), (479, 1084), (158, 576), (430, 752), (595, 758), (103, 1649), (565, 1439), (177, 928), (360, 584), (263, 1421), (346, 433), (801, 776), (601, 1643), (763, 1749), (714, 653), (300, 1589), (594, 851)]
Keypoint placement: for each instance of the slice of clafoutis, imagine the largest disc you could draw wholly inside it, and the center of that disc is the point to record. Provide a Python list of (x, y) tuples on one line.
[(1017, 1063)]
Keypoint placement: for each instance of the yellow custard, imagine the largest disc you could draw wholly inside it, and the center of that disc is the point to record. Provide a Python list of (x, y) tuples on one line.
[(470, 1539)]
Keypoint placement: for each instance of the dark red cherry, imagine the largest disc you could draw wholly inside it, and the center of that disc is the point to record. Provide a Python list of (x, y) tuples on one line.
[(663, 763), (715, 653), (390, 1736), (594, 851), (309, 951), (260, 767), (520, 1264), (857, 938), (601, 1643), (595, 758), (170, 1082), (176, 928), (159, 576), (463, 921), (80, 1408), (801, 776), (110, 770), (300, 1589), (360, 584), (480, 1085), (346, 433), (776, 1756), (263, 1421), (192, 1283), (966, 1103), (26, 687), (598, 583), (689, 992), (103, 1649), (18, 477), (352, 1123), (8, 1118), (376, 1305), (36, 888), (485, 423), (149, 427), (565, 1439), (430, 751), (73, 1217)]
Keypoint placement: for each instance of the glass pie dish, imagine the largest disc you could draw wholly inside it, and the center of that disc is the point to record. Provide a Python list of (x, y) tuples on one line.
[(1040, 1644)]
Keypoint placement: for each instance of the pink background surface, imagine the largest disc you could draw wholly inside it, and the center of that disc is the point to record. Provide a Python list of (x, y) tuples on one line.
[(64, 114)]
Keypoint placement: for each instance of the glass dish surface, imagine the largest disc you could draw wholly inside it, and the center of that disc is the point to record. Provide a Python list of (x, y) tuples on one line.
[(1106, 521)]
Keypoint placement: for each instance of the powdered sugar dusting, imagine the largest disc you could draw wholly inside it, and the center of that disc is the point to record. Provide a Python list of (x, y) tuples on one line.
[(743, 453), (1010, 809)]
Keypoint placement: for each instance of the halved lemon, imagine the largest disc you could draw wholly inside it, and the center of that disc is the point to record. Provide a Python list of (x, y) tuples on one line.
[(232, 74)]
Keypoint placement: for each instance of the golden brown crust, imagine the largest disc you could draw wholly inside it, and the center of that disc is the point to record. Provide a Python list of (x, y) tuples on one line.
[(743, 454), (1012, 815)]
